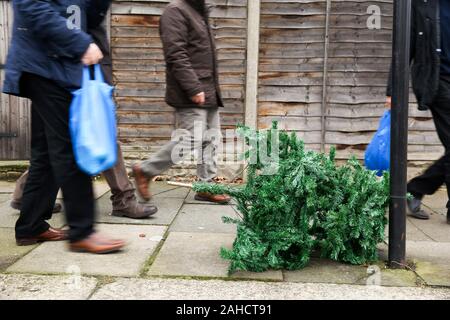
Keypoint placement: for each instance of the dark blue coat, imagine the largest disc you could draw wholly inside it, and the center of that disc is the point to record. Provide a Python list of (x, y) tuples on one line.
[(49, 39)]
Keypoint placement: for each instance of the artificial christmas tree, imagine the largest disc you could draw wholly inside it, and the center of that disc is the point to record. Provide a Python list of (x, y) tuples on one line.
[(309, 203)]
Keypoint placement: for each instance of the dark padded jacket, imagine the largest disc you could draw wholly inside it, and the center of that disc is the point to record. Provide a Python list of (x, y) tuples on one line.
[(100, 37), (425, 51), (46, 42), (190, 54)]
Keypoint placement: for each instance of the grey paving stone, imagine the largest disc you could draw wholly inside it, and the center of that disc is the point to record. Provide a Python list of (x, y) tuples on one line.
[(428, 251), (415, 234), (33, 287), (204, 218), (9, 216), (157, 187), (327, 271), (412, 232), (174, 193), (53, 257), (436, 228), (380, 275), (9, 251), (434, 273), (5, 197), (179, 289), (432, 261), (167, 210), (7, 186), (101, 187), (437, 202), (197, 255)]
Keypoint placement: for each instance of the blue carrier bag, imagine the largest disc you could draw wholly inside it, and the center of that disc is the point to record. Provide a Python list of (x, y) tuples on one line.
[(92, 124), (378, 152)]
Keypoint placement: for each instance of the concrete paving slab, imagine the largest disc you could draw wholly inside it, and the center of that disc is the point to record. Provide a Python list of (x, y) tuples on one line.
[(9, 251), (167, 211), (327, 271), (436, 228), (100, 188), (174, 193), (33, 287), (5, 197), (434, 273), (158, 187), (380, 275), (437, 202), (179, 289), (412, 232), (7, 186), (204, 218), (197, 255), (432, 261), (53, 257), (428, 251), (9, 216)]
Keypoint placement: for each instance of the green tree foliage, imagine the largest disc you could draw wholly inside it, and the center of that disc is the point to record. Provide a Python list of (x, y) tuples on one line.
[(309, 204)]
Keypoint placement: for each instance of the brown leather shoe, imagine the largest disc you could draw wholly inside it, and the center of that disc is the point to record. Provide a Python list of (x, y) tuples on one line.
[(216, 198), (97, 244), (52, 234), (134, 210), (142, 182)]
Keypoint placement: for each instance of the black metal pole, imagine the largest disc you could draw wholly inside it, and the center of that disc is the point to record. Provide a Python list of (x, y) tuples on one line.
[(399, 133)]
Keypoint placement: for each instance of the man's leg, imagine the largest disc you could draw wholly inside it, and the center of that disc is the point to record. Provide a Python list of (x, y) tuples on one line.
[(442, 112), (18, 191), (207, 169), (123, 198), (16, 201), (163, 159), (52, 104), (438, 173), (173, 151), (40, 188)]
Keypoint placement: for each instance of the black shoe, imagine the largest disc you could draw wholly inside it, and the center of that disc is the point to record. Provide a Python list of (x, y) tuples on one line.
[(414, 209), (18, 206), (448, 216)]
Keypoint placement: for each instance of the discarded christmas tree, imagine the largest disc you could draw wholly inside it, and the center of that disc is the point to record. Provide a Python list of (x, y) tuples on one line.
[(309, 204)]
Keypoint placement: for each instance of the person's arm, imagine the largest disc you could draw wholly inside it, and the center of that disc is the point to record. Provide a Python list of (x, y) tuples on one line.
[(412, 53), (49, 25), (174, 36)]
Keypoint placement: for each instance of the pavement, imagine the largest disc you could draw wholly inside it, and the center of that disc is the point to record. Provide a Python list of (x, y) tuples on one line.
[(175, 255)]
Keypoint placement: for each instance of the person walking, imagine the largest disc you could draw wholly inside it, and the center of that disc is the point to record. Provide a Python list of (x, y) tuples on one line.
[(123, 198), (430, 70), (193, 90), (45, 61)]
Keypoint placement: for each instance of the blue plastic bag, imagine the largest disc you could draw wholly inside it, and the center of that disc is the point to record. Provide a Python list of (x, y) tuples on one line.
[(378, 152), (93, 124)]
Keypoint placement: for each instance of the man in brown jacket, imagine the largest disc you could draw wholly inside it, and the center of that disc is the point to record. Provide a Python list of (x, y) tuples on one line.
[(193, 90)]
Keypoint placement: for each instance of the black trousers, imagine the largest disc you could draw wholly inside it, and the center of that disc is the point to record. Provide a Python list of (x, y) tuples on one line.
[(439, 173), (52, 164)]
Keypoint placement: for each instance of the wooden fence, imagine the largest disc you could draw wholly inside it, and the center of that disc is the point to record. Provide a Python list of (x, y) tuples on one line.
[(319, 70), (15, 119)]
